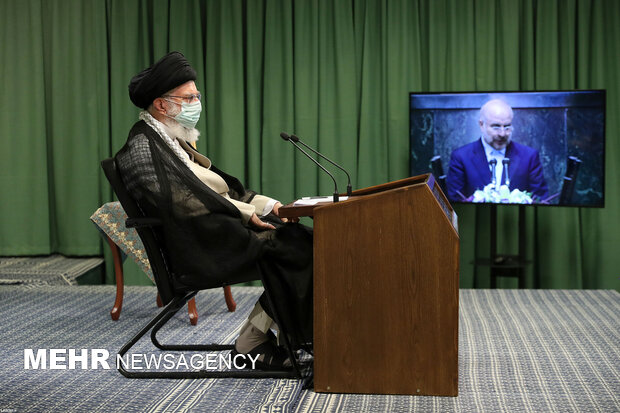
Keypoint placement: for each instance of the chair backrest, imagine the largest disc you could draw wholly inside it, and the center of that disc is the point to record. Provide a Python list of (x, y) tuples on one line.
[(147, 234), (437, 168), (568, 184)]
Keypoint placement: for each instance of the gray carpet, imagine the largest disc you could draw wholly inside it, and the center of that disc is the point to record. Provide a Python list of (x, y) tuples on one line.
[(45, 270), (532, 351), (520, 351)]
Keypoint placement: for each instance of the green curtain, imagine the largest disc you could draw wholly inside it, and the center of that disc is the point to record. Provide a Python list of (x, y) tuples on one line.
[(335, 72)]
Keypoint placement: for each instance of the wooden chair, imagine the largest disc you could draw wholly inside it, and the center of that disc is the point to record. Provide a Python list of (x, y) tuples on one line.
[(110, 220)]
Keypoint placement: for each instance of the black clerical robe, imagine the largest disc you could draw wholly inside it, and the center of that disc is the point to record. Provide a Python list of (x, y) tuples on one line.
[(206, 238)]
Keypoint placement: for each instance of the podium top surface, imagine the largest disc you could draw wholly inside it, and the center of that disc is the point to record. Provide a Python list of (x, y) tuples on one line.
[(293, 211)]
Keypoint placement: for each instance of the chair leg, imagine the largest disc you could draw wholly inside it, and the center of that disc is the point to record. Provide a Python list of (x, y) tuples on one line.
[(157, 322), (192, 311), (118, 273), (168, 312), (230, 301), (181, 347), (118, 303)]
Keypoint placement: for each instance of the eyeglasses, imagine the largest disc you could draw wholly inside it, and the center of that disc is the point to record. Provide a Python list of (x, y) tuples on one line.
[(187, 98), (497, 128)]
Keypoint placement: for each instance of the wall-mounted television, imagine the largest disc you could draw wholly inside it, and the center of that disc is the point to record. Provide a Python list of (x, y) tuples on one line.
[(542, 147)]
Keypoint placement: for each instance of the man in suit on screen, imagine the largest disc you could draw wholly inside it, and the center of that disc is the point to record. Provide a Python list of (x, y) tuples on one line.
[(471, 165)]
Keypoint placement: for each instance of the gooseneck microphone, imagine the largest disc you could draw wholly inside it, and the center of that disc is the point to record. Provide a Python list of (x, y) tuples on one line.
[(286, 137), (506, 163), (295, 139), (493, 163)]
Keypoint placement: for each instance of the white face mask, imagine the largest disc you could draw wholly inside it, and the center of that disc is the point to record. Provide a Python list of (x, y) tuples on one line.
[(189, 114)]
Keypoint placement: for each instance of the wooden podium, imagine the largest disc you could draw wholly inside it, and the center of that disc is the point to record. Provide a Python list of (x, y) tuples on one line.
[(386, 290)]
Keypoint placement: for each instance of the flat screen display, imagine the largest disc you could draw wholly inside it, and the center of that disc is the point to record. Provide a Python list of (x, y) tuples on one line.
[(541, 148)]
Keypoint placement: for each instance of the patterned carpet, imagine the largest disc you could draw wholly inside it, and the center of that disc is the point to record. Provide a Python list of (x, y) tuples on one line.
[(45, 270), (528, 350), (520, 351)]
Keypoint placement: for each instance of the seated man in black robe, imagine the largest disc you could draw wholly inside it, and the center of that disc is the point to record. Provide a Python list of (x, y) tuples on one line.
[(213, 226)]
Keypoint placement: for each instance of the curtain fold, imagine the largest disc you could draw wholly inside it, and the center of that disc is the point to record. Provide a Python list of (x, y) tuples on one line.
[(23, 158), (76, 112), (336, 73)]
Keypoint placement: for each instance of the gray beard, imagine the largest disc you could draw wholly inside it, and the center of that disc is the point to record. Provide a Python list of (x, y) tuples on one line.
[(176, 130)]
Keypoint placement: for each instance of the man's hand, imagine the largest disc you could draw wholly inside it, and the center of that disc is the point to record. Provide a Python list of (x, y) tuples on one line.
[(258, 224), (276, 210)]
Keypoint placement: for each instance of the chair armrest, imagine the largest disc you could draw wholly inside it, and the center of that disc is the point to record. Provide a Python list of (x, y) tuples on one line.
[(142, 222)]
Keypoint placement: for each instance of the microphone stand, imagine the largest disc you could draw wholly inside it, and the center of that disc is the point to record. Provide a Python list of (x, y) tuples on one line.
[(493, 163), (294, 138), (288, 138), (506, 163)]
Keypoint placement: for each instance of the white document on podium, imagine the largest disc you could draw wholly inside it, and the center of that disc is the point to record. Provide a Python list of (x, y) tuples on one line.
[(313, 200)]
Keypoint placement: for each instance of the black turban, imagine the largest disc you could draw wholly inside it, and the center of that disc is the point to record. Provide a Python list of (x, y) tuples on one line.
[(170, 71)]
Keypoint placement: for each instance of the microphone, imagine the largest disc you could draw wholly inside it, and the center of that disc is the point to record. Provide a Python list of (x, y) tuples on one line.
[(286, 137), (493, 163), (349, 189), (506, 163)]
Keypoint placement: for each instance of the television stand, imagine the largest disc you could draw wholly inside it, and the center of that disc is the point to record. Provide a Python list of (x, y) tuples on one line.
[(505, 265)]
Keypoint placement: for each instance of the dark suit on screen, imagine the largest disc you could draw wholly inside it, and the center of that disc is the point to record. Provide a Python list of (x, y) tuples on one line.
[(469, 170)]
